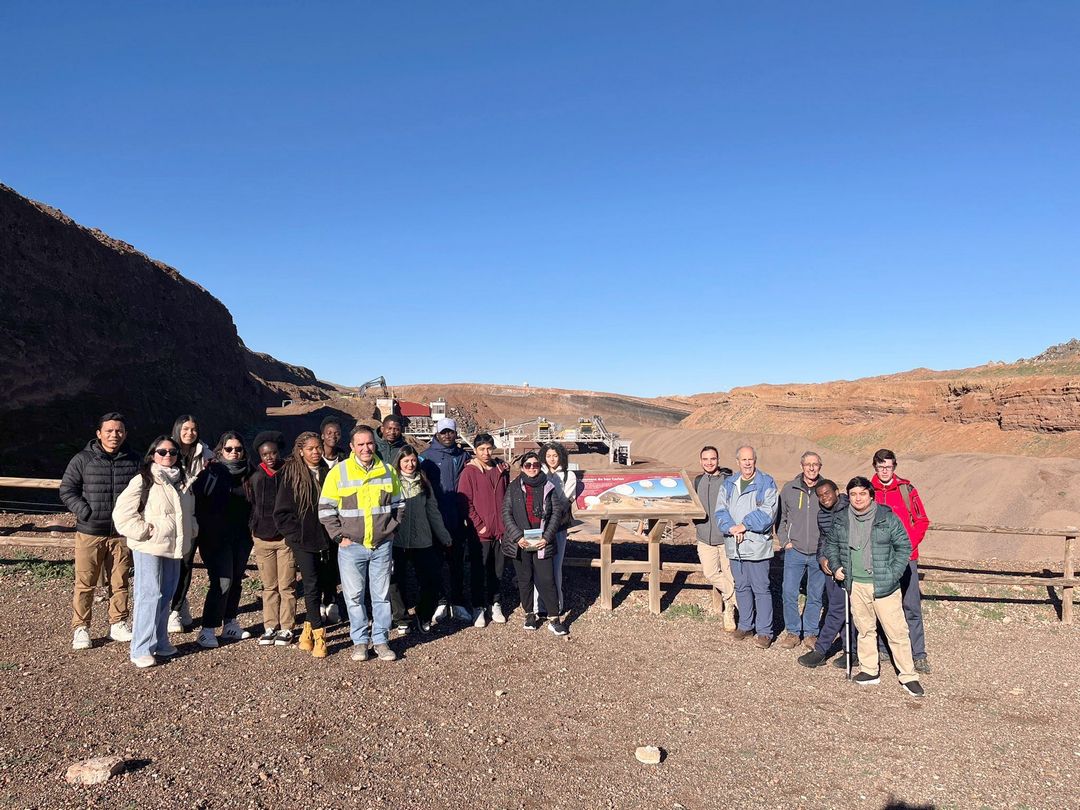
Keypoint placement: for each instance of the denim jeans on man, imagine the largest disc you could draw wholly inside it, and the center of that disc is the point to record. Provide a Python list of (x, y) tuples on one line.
[(796, 565), (363, 569), (752, 595), (155, 584)]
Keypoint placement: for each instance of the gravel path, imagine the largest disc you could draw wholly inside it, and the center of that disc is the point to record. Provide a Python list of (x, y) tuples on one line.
[(250, 726)]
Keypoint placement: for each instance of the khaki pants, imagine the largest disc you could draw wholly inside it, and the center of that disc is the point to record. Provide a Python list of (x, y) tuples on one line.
[(277, 570), (716, 568), (98, 556), (867, 612)]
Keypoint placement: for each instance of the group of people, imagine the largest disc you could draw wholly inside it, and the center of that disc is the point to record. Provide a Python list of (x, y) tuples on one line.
[(359, 518), (855, 552)]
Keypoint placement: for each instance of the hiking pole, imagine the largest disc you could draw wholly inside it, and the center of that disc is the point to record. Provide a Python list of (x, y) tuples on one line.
[(847, 632)]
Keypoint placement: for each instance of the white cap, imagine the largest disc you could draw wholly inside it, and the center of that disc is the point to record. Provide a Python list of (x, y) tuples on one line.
[(445, 424)]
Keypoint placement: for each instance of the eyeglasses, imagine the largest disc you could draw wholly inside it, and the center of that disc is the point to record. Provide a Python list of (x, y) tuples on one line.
[(532, 465), (884, 466), (161, 451), (232, 448)]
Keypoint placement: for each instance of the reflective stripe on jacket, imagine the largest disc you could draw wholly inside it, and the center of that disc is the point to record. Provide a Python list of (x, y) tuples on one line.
[(360, 504)]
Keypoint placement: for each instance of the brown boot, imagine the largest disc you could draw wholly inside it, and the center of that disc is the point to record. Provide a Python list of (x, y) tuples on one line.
[(729, 616), (319, 649), (306, 639)]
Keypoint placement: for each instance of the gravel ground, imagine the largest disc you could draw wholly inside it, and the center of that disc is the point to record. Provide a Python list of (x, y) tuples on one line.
[(250, 726)]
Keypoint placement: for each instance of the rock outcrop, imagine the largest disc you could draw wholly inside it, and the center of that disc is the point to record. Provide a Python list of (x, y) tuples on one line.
[(89, 324)]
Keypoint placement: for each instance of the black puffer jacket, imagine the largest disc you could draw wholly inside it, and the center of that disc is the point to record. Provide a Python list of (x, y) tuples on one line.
[(92, 482), (516, 517)]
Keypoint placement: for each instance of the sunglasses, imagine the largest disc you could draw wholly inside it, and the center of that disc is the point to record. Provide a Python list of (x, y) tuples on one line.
[(161, 451), (232, 449), (532, 465)]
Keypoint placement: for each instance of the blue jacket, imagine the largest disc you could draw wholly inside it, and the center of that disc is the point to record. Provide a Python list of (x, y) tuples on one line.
[(755, 508), (443, 466)]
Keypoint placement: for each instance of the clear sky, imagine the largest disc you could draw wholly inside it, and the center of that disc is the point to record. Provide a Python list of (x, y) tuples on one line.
[(641, 197)]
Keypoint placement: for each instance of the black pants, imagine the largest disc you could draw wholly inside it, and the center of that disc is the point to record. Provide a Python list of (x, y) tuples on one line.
[(329, 576), (225, 566), (486, 564), (311, 565), (532, 569), (187, 562), (426, 563), (454, 586)]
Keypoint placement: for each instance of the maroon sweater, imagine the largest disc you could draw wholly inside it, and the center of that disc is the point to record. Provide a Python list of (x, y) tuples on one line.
[(484, 491)]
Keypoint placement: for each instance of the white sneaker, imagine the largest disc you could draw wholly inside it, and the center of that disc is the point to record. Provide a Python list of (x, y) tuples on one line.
[(175, 625), (166, 652), (462, 613), (497, 614), (233, 631), (144, 661), (441, 612), (120, 632), (333, 615), (81, 640), (206, 638), (480, 620), (185, 614), (425, 627)]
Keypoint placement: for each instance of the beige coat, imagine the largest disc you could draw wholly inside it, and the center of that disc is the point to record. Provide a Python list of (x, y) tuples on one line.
[(169, 512)]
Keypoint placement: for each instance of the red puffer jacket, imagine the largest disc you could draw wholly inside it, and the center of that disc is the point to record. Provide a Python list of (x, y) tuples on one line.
[(916, 522)]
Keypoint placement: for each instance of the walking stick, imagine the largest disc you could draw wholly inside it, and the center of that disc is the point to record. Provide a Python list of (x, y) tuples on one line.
[(847, 632)]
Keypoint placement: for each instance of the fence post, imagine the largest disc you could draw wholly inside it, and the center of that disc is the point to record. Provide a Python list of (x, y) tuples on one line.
[(1067, 591)]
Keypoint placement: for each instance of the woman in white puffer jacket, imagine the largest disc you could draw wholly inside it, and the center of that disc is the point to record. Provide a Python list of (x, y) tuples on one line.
[(156, 513)]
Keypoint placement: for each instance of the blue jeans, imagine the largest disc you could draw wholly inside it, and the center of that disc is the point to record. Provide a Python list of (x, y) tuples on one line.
[(752, 595), (155, 584), (363, 569), (796, 565)]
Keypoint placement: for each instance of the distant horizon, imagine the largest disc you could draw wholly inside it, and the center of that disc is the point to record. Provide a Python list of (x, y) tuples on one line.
[(694, 198)]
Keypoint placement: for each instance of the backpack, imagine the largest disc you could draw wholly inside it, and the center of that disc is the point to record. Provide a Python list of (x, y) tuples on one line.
[(905, 493)]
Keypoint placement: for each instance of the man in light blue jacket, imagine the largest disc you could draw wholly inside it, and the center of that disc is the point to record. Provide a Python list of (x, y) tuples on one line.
[(745, 513)]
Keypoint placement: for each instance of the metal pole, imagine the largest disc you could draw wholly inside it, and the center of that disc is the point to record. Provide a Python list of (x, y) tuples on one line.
[(847, 632)]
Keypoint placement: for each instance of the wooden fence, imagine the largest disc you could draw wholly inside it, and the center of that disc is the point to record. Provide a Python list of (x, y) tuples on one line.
[(609, 568)]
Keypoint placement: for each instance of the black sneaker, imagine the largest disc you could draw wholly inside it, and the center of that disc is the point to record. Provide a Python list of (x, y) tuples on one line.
[(840, 663), (558, 628), (864, 679), (267, 638), (532, 622), (922, 666), (913, 688), (812, 659)]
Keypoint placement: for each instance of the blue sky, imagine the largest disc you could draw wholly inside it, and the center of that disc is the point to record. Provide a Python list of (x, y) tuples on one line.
[(681, 197)]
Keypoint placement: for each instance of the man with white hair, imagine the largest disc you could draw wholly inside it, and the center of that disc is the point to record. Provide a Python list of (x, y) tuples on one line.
[(745, 513)]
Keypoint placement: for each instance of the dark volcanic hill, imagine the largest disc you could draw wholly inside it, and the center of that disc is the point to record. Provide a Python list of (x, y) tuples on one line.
[(89, 324)]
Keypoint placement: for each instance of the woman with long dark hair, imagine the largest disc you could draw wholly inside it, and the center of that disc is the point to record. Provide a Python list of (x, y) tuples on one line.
[(223, 509), (556, 466), (296, 515), (156, 513), (421, 522), (194, 456), (533, 510)]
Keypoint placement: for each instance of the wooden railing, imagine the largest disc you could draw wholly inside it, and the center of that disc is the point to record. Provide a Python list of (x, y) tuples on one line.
[(610, 568)]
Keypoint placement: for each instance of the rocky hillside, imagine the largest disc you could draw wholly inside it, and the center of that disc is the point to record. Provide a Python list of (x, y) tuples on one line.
[(1030, 407), (90, 324)]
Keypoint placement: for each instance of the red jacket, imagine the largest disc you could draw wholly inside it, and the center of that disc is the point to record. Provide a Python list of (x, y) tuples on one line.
[(916, 522), (483, 492)]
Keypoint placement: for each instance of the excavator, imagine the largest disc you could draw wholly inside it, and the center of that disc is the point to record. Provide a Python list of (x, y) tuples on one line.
[(379, 381)]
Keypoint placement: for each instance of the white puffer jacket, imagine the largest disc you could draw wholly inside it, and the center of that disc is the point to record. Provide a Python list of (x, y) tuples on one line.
[(169, 510)]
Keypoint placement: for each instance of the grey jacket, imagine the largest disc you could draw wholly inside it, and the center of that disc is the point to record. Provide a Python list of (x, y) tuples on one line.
[(798, 516), (708, 490)]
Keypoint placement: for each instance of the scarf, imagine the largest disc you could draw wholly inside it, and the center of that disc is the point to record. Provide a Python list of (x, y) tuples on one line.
[(170, 474), (410, 485), (536, 483), (859, 527), (234, 466), (270, 471)]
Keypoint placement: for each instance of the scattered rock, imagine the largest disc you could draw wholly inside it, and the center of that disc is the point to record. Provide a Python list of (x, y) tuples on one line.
[(648, 755), (500, 692), (94, 771)]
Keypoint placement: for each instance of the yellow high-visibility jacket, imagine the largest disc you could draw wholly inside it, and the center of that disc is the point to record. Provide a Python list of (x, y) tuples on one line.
[(362, 505)]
